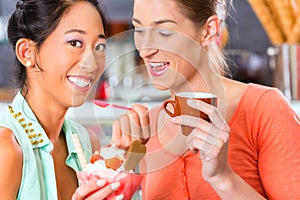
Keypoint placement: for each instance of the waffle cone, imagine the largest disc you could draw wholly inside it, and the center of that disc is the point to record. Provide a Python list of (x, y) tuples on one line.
[(274, 12), (294, 36), (286, 14), (268, 21), (297, 4)]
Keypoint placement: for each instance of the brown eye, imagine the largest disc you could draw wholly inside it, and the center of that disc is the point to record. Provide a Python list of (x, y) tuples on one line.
[(75, 43), (100, 47)]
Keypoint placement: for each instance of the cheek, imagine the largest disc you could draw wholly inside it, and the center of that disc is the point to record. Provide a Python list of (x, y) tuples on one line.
[(55, 58), (100, 62)]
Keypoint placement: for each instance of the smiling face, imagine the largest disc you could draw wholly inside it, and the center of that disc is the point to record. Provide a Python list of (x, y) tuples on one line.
[(71, 58), (168, 42)]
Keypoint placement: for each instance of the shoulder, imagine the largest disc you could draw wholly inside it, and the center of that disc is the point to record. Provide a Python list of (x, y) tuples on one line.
[(271, 112), (260, 96), (11, 162), (8, 141), (267, 98)]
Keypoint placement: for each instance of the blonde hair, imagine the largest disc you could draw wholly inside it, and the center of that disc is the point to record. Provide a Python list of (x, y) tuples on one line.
[(198, 11)]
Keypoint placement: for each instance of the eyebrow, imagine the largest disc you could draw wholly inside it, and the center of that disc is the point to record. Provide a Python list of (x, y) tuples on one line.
[(156, 22), (100, 36)]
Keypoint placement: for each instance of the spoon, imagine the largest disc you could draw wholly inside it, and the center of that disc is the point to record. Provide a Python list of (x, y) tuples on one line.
[(105, 104)]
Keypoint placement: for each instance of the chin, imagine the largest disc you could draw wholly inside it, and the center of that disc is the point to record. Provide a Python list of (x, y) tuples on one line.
[(78, 101), (160, 86)]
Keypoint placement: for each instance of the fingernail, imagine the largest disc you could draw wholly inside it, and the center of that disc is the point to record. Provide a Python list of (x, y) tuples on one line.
[(195, 151), (101, 183), (115, 186), (146, 105), (119, 197), (208, 158), (191, 102), (174, 119)]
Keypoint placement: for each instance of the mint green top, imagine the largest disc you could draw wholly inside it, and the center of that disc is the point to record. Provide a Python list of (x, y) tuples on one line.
[(38, 175)]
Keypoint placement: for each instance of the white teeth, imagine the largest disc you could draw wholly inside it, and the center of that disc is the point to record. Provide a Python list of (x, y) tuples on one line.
[(157, 67), (157, 64), (80, 82)]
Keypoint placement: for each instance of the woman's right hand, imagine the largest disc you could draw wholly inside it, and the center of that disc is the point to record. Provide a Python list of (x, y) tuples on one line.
[(134, 125), (96, 190)]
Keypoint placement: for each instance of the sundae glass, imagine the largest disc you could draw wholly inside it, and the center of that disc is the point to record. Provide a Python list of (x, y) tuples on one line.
[(115, 165)]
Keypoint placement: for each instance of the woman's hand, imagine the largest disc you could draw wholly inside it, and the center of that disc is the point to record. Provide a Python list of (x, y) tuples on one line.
[(96, 190), (211, 138), (134, 125)]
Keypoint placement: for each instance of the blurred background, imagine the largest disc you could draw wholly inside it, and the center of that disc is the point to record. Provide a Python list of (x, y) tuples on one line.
[(253, 56), (246, 47), (252, 53)]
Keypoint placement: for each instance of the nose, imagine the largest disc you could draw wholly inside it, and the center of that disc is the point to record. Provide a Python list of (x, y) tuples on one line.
[(89, 62), (146, 52), (146, 44)]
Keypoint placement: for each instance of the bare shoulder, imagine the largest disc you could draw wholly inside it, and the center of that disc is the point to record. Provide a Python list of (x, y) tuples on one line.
[(9, 142), (10, 165), (235, 89)]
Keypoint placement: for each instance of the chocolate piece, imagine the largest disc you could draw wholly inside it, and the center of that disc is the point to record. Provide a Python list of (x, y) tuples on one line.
[(135, 153)]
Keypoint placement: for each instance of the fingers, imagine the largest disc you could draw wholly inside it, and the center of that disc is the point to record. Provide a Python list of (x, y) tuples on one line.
[(142, 127), (200, 124), (105, 192), (214, 115), (125, 130), (95, 190), (134, 125), (208, 145), (208, 137), (116, 133)]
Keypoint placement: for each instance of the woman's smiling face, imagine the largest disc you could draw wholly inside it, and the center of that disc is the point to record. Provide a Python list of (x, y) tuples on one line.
[(72, 57), (166, 39)]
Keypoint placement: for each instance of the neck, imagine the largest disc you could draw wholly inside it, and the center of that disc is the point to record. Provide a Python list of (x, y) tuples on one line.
[(49, 114)]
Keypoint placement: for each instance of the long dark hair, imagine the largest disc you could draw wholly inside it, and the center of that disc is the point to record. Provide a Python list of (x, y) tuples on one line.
[(36, 20)]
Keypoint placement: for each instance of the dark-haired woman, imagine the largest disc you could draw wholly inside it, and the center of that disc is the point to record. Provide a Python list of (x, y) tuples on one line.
[(59, 47), (248, 150)]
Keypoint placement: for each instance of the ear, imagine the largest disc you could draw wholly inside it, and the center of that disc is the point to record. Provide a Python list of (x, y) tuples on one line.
[(25, 52), (210, 30)]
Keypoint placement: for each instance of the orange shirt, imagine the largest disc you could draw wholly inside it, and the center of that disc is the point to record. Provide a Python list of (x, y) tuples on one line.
[(264, 149)]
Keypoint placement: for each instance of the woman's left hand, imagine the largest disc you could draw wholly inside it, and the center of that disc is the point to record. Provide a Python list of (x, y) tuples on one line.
[(96, 190), (211, 138)]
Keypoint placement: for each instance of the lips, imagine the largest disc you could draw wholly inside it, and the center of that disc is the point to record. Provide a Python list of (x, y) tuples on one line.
[(81, 82), (158, 68)]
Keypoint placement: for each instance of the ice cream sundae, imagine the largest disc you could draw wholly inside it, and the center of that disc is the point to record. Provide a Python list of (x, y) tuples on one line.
[(113, 164)]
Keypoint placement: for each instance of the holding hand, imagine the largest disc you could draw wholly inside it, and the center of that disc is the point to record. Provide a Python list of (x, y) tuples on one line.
[(134, 125), (96, 190), (211, 138)]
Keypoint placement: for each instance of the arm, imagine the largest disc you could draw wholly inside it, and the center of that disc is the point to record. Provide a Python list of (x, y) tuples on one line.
[(231, 186), (211, 138), (276, 132), (10, 165), (279, 146)]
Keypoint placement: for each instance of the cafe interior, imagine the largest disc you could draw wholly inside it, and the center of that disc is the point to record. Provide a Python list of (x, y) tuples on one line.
[(260, 43)]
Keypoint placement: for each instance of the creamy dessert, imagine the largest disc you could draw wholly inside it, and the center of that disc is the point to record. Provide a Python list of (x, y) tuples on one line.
[(109, 163)]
